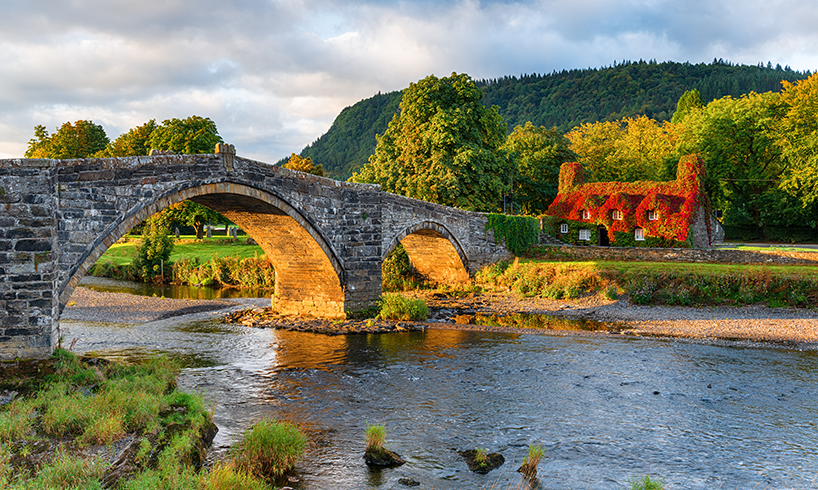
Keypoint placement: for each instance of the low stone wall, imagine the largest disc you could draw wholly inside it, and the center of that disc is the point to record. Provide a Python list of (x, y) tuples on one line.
[(721, 256)]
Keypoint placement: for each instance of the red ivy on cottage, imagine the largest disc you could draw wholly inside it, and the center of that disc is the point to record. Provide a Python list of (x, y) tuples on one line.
[(674, 203)]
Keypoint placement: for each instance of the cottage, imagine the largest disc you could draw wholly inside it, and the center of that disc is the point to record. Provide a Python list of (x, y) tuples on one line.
[(627, 214)]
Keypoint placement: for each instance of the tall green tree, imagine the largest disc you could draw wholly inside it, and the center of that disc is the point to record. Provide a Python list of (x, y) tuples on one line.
[(691, 99), (537, 153), (82, 139), (736, 138), (134, 142), (443, 146), (193, 135), (631, 149), (798, 139)]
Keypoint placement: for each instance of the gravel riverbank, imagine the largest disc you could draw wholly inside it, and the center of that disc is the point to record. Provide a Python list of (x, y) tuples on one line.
[(748, 324)]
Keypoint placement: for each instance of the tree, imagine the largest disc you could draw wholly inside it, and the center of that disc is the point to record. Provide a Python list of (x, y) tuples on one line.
[(189, 213), (736, 138), (154, 248), (83, 139), (442, 146), (133, 143), (798, 139), (190, 136), (538, 153), (304, 165), (627, 150), (691, 99)]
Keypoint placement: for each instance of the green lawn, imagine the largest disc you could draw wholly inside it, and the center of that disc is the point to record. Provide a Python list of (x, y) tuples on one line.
[(691, 267), (186, 247)]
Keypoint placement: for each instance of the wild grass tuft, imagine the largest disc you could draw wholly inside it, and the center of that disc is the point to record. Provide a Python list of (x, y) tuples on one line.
[(375, 437), (269, 449), (15, 420), (647, 484), (67, 471), (397, 307), (481, 456), (227, 477), (532, 460)]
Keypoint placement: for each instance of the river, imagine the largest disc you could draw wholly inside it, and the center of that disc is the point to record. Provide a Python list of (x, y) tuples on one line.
[(605, 408)]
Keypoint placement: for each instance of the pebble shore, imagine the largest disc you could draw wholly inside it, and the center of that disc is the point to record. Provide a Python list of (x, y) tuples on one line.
[(747, 325)]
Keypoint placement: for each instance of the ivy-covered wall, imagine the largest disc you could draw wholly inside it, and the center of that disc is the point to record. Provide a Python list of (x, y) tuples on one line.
[(519, 232), (677, 204)]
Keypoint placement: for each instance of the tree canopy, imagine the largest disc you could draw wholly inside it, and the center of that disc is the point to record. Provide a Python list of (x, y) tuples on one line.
[(537, 153), (82, 139), (798, 139), (443, 146), (191, 136), (304, 165)]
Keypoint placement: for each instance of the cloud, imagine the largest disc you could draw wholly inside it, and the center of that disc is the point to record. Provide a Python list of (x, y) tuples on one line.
[(274, 74)]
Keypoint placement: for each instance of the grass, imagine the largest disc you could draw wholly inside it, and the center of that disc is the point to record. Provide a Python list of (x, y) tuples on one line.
[(647, 484), (683, 284), (396, 307), (481, 456), (186, 247), (532, 460), (375, 437), (269, 449)]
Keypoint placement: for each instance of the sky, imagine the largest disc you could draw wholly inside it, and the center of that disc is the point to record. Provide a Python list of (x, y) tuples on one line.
[(273, 75)]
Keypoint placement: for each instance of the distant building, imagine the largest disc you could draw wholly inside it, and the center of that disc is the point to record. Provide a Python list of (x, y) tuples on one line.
[(634, 214)]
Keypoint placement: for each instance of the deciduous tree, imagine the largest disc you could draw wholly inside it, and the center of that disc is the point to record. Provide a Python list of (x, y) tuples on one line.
[(304, 165), (193, 135), (443, 146), (537, 153), (798, 139), (81, 139)]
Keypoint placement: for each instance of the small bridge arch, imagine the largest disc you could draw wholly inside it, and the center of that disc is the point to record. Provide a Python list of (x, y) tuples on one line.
[(434, 252)]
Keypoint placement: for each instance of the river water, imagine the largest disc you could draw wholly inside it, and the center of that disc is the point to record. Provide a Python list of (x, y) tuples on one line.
[(605, 408)]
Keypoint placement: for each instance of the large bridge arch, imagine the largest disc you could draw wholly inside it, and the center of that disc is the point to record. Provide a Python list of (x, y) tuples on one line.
[(309, 275), (434, 252)]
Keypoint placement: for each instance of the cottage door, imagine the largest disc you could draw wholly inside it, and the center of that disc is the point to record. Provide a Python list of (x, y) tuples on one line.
[(602, 237)]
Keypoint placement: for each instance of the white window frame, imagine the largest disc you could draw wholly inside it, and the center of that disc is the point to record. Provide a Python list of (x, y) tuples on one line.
[(653, 215), (586, 214), (585, 234), (639, 234), (564, 228), (616, 215)]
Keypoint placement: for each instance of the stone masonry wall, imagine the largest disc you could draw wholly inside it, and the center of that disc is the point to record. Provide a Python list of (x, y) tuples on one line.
[(29, 311)]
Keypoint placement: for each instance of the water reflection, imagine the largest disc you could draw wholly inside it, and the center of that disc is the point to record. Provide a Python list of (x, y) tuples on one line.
[(605, 409), (175, 291)]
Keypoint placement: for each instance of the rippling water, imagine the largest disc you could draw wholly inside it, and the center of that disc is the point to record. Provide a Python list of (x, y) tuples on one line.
[(605, 408)]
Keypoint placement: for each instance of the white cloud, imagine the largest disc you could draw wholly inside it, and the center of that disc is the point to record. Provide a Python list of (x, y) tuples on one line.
[(273, 75)]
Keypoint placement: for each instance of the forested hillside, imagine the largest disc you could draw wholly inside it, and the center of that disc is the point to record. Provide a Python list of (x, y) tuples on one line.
[(561, 99)]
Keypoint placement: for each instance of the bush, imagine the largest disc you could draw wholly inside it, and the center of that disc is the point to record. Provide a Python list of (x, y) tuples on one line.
[(397, 271), (154, 249), (396, 307), (269, 449)]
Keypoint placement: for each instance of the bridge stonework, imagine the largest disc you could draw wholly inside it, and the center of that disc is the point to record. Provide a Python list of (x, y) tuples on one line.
[(326, 239)]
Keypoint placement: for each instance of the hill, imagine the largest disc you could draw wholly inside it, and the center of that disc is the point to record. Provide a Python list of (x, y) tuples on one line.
[(562, 99)]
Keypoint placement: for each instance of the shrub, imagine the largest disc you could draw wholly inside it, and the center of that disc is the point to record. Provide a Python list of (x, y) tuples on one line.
[(397, 271), (396, 307), (269, 449), (153, 249)]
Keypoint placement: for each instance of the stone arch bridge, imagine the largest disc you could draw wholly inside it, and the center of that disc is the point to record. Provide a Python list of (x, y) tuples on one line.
[(326, 239)]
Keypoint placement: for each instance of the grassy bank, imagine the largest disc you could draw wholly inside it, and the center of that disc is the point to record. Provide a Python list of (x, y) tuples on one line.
[(224, 262), (661, 283), (72, 416)]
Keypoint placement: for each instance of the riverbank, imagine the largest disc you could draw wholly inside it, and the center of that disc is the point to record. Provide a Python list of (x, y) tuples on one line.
[(748, 324)]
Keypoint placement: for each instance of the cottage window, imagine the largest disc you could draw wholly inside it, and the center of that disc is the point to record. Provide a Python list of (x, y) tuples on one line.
[(639, 234), (564, 228), (653, 215), (585, 235), (586, 214), (616, 215)]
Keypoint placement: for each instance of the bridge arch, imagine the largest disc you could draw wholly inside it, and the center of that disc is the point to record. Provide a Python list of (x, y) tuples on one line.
[(434, 252), (310, 277)]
